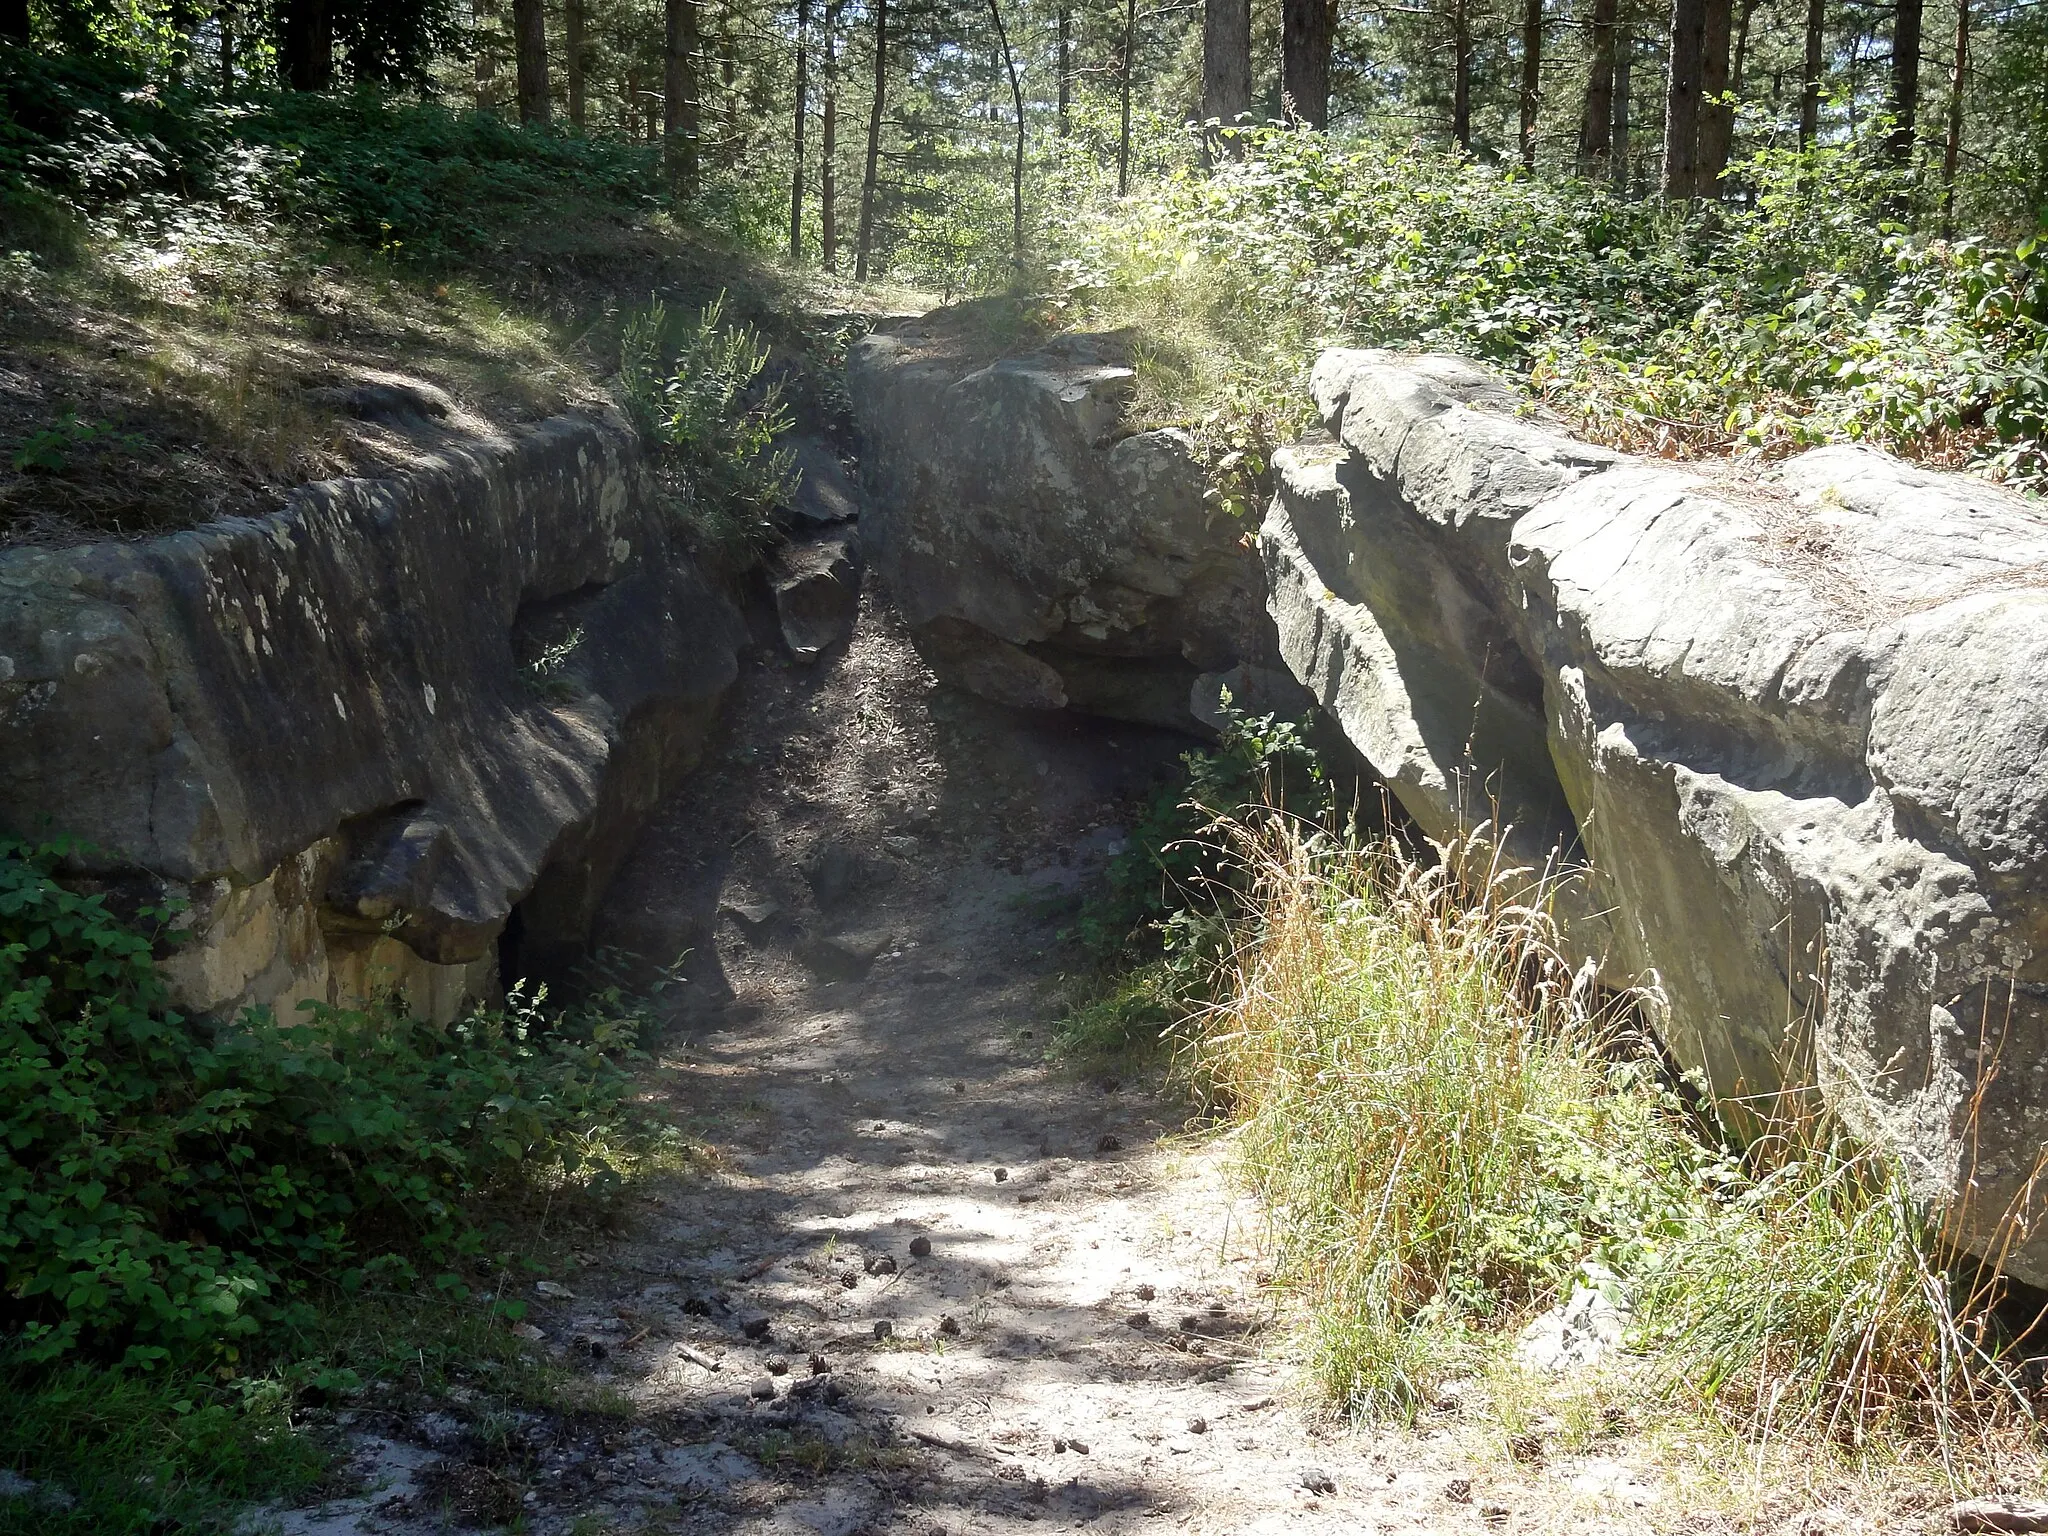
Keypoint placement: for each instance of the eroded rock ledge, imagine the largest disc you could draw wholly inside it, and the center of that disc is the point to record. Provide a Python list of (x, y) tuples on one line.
[(357, 734), (1044, 557), (1795, 721)]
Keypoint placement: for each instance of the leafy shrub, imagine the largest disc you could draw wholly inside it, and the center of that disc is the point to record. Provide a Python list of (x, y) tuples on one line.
[(427, 183), (1804, 314), (693, 386), (170, 1185), (1176, 869)]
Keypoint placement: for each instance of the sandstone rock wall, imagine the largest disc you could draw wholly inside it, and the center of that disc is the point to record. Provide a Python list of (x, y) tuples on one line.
[(1044, 557), (357, 734), (1795, 722)]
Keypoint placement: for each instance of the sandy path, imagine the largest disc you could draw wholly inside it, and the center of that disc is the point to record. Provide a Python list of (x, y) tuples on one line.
[(1087, 1341)]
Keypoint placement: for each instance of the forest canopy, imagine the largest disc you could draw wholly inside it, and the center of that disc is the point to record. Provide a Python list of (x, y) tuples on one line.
[(1712, 225)]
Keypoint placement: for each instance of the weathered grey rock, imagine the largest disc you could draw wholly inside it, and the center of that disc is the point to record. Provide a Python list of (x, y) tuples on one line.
[(357, 733), (824, 496), (1043, 557), (815, 582), (1796, 721)]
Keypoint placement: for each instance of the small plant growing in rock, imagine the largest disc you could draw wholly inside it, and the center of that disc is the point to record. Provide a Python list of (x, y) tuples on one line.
[(694, 388)]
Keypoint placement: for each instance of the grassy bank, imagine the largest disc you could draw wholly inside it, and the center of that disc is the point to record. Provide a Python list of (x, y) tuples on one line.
[(1453, 1133)]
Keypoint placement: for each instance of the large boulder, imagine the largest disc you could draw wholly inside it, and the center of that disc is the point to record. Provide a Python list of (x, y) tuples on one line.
[(1790, 724), (355, 735), (1043, 555)]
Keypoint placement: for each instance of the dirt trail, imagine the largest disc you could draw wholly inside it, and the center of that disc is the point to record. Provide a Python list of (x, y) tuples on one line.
[(1082, 1342)]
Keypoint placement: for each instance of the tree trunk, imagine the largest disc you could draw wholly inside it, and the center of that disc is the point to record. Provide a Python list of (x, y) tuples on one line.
[(1596, 123), (1906, 20), (679, 97), (573, 50), (1532, 77), (306, 57), (1064, 26), (1307, 33), (1717, 113), (1952, 146), (828, 147), (995, 11), (224, 19), (484, 61), (796, 136), (1682, 99), (14, 20), (1226, 61), (530, 52), (1124, 63), (1624, 81), (864, 239), (1809, 95), (1461, 74)]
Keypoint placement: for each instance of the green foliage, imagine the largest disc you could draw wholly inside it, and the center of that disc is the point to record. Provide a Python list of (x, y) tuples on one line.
[(1453, 1129), (118, 1452), (1807, 315), (427, 183), (693, 386), (48, 450), (171, 1186), (1816, 1289), (1176, 873)]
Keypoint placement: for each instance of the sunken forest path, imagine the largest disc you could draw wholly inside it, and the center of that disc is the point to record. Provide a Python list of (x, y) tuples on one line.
[(869, 872)]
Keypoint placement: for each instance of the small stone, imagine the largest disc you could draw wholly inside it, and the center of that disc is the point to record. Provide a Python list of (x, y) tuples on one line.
[(1077, 1447), (1141, 1319), (762, 1390), (881, 1264), (756, 1327), (1459, 1490), (1191, 1324), (1146, 1293), (920, 1247), (1002, 1175), (1109, 1144), (1495, 1514), (594, 1348), (1198, 1426), (554, 1290), (950, 1327), (1316, 1480), (885, 1329), (528, 1332), (778, 1366)]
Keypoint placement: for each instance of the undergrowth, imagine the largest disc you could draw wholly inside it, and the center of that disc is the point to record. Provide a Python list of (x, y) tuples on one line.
[(1153, 930), (188, 1207), (1451, 1129), (1799, 312), (693, 385)]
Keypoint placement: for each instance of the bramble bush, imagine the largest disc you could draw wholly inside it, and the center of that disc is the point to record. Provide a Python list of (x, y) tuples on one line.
[(170, 1187)]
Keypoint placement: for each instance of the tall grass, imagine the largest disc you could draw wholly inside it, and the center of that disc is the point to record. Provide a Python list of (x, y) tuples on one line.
[(1449, 1124)]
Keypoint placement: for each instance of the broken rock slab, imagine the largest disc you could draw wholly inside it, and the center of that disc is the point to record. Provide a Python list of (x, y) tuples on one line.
[(1044, 555), (815, 583)]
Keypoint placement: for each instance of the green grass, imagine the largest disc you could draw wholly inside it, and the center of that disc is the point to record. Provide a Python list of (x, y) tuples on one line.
[(1446, 1124)]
